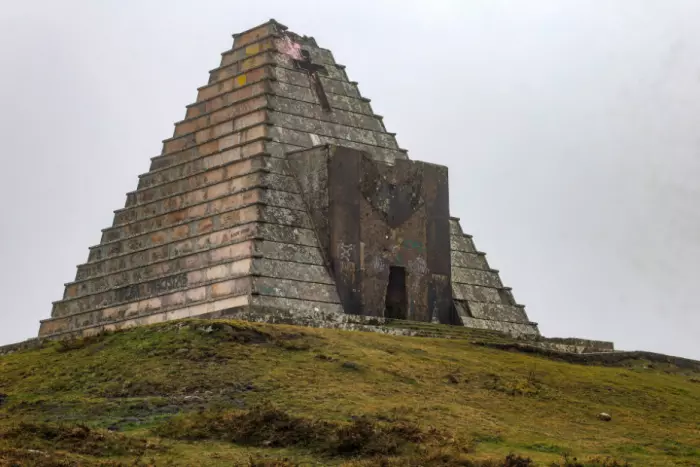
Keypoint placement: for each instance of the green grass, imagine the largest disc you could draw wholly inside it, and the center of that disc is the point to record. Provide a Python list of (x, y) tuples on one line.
[(233, 393)]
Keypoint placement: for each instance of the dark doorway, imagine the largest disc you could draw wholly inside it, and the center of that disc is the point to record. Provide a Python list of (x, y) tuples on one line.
[(396, 299)]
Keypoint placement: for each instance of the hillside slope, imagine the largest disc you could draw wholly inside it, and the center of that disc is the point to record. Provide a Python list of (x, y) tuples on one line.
[(233, 393)]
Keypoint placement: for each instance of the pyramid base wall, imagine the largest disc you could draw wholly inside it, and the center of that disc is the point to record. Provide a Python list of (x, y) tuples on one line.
[(266, 309), (510, 328)]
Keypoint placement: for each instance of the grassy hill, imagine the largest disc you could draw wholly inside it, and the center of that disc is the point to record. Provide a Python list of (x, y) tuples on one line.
[(233, 393)]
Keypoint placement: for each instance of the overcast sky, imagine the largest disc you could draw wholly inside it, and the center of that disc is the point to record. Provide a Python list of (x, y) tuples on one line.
[(571, 129)]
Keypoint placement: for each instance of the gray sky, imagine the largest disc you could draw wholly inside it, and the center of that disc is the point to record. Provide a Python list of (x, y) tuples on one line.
[(571, 129)]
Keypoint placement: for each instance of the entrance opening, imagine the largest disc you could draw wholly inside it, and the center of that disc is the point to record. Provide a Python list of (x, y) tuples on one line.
[(396, 298)]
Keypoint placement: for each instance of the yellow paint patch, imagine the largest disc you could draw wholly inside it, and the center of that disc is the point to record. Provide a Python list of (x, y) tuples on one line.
[(252, 49), (241, 80)]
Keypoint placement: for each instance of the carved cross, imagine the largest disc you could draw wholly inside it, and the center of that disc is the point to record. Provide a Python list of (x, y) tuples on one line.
[(312, 69)]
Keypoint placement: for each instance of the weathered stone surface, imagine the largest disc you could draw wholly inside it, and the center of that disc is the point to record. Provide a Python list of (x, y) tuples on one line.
[(256, 162), (475, 293), (469, 260), (241, 216), (462, 243), (230, 112), (514, 329), (294, 252), (305, 94), (299, 290), (248, 91), (314, 111), (476, 277), (267, 267), (297, 139), (228, 219), (255, 72), (333, 130), (153, 270), (203, 161), (498, 312)]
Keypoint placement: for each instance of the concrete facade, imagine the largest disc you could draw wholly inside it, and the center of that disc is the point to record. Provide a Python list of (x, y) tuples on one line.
[(235, 213)]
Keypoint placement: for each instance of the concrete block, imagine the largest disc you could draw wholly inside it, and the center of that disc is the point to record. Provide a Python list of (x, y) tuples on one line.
[(469, 260), (475, 293), (295, 289), (476, 277), (290, 270), (202, 108), (498, 312)]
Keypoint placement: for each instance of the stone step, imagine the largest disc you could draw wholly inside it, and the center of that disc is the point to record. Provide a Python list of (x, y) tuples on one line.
[(469, 260), (231, 129), (332, 130), (292, 74), (195, 164), (153, 254), (205, 249), (255, 173), (250, 37), (286, 71), (224, 114), (252, 191), (302, 139), (278, 309), (514, 329), (200, 109), (476, 277), (167, 243), (306, 94), (159, 240), (153, 288), (159, 269), (192, 302), (192, 277), (462, 243), (476, 293), (315, 111), (267, 55), (289, 288), (235, 58), (260, 161), (498, 312), (256, 70)]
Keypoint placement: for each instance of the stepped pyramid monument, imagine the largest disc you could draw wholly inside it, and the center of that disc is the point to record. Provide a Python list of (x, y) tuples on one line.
[(282, 197)]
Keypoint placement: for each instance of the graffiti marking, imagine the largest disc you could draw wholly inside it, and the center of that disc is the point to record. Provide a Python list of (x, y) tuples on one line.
[(345, 251)]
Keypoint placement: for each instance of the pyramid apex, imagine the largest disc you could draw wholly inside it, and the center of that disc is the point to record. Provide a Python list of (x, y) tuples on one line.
[(279, 25)]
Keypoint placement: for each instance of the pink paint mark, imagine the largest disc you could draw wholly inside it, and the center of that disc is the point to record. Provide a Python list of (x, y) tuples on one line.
[(287, 46)]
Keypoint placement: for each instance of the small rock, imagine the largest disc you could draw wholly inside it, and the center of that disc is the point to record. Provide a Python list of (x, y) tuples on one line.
[(192, 399), (351, 366), (606, 417), (453, 379), (113, 428)]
